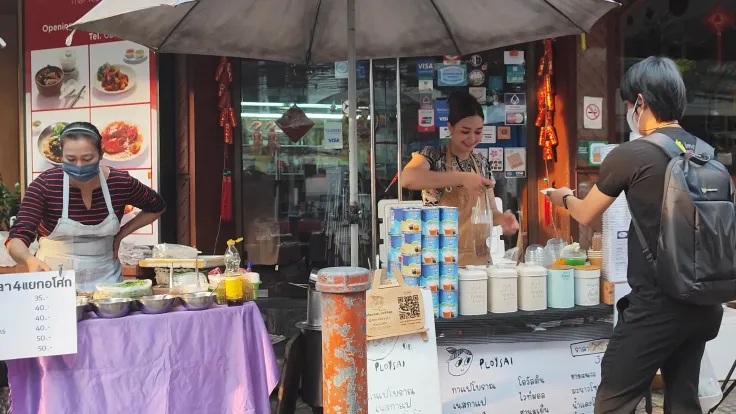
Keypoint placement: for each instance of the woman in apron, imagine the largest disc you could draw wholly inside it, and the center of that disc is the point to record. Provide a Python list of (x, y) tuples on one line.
[(455, 176), (75, 211)]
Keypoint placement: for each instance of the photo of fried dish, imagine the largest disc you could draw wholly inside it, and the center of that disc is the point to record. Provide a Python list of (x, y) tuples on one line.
[(49, 144), (114, 79), (121, 141)]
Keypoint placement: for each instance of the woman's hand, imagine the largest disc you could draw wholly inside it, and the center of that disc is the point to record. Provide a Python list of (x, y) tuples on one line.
[(35, 265), (508, 223), (475, 183), (116, 246)]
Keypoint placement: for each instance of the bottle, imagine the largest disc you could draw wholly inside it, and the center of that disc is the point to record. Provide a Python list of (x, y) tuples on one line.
[(233, 280)]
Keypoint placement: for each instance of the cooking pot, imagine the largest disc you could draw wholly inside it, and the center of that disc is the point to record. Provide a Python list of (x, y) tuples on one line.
[(314, 302), (312, 372)]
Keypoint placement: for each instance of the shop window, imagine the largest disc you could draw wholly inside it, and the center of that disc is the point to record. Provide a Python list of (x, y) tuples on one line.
[(494, 77), (684, 31), (295, 192)]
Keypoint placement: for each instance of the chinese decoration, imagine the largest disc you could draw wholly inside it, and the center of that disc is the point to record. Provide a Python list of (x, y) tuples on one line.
[(546, 104), (718, 20), (224, 77)]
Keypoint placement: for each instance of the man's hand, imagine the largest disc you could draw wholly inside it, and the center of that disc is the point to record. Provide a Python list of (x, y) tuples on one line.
[(555, 197)]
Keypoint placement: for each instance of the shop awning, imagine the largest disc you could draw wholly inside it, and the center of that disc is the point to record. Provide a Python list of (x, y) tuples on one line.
[(299, 31)]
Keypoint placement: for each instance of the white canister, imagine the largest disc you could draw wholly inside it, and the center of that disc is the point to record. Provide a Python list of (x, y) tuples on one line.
[(473, 292), (532, 287), (587, 285), (560, 286), (502, 289)]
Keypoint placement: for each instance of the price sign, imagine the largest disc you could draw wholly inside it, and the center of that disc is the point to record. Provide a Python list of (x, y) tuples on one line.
[(37, 315)]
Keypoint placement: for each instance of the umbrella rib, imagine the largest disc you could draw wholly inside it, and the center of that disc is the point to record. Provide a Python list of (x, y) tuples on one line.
[(177, 25), (311, 37), (447, 28), (565, 16)]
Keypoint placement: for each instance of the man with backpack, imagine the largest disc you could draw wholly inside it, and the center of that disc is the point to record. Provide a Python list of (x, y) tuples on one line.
[(681, 244)]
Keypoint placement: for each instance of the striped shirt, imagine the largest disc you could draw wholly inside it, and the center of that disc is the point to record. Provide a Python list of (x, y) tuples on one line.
[(42, 204), (437, 159)]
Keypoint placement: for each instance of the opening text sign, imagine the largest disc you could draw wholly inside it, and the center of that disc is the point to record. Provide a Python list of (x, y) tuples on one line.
[(37, 315)]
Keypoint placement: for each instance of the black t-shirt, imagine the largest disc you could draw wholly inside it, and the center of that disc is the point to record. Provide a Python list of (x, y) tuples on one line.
[(637, 168)]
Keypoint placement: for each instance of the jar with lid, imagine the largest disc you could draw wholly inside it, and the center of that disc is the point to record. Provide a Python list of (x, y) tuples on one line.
[(532, 287), (502, 289)]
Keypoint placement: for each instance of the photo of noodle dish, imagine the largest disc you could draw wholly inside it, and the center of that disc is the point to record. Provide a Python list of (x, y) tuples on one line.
[(121, 141), (49, 144), (114, 79)]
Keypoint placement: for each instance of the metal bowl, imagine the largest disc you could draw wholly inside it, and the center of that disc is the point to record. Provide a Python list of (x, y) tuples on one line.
[(198, 301), (156, 304), (111, 308)]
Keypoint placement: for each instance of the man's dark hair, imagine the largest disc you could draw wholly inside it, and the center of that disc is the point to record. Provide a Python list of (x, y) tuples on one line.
[(658, 80)]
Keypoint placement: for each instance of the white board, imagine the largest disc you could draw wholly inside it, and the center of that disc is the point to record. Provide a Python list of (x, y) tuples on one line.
[(402, 372), (549, 377), (37, 315)]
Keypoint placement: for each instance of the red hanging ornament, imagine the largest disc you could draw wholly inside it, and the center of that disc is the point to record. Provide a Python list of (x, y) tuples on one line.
[(224, 76), (718, 20), (546, 104)]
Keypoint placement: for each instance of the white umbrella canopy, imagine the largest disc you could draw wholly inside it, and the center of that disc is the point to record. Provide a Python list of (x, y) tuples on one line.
[(299, 31), (313, 31)]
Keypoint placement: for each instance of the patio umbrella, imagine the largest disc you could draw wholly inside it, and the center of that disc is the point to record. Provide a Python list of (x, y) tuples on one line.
[(306, 31)]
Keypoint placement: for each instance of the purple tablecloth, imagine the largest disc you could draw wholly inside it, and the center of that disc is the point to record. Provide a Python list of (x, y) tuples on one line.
[(215, 361)]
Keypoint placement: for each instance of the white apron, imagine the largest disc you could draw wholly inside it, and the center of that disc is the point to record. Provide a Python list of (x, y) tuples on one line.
[(85, 248)]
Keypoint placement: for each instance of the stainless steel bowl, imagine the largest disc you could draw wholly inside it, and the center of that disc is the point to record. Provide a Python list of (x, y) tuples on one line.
[(111, 308), (198, 301), (156, 304)]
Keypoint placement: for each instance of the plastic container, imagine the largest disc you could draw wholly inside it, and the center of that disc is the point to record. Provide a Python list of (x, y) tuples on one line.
[(534, 255), (560, 287), (473, 292), (587, 285), (502, 289), (532, 287), (127, 289)]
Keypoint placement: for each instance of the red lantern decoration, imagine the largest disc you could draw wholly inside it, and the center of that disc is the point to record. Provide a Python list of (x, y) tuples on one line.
[(718, 20), (546, 104)]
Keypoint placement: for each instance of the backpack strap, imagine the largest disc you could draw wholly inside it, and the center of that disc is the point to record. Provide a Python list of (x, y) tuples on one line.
[(664, 143), (644, 246)]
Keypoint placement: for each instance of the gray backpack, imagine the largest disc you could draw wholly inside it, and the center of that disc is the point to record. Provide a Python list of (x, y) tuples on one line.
[(697, 240)]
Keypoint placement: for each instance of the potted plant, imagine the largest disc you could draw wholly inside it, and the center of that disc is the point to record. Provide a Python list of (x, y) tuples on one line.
[(9, 204)]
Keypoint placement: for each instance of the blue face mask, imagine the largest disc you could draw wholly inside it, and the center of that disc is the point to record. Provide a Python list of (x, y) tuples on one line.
[(82, 173)]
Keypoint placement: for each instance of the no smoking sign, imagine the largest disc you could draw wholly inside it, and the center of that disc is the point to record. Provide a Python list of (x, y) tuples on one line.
[(592, 112)]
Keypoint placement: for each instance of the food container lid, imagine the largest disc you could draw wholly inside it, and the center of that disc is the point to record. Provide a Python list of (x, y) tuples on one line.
[(471, 274), (502, 272), (526, 270), (587, 267), (559, 267), (587, 272)]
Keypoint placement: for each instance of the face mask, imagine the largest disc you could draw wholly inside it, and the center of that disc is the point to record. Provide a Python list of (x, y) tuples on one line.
[(82, 173), (633, 125)]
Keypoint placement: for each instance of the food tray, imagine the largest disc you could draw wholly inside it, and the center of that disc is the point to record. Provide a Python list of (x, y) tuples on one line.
[(203, 262)]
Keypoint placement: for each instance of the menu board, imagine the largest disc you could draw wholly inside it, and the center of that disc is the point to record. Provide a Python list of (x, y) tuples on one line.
[(402, 371), (99, 79), (37, 315), (524, 378)]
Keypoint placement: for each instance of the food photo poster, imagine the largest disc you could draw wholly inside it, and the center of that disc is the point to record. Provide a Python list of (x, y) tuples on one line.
[(109, 82)]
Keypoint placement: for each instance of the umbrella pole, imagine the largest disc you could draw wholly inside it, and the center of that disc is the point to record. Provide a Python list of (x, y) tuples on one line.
[(353, 134)]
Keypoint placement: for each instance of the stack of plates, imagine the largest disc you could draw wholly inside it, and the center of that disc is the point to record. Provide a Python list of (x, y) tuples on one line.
[(616, 221)]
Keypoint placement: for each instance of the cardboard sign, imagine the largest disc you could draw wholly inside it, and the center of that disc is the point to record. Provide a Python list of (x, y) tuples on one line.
[(402, 371), (38, 315), (395, 309)]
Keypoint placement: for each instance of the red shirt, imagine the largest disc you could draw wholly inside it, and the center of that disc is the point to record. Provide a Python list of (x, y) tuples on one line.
[(42, 204)]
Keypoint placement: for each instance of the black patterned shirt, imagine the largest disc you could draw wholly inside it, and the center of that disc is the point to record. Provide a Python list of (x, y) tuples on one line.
[(437, 158)]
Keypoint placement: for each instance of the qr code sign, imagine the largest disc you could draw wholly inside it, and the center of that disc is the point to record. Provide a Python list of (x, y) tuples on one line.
[(409, 307)]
